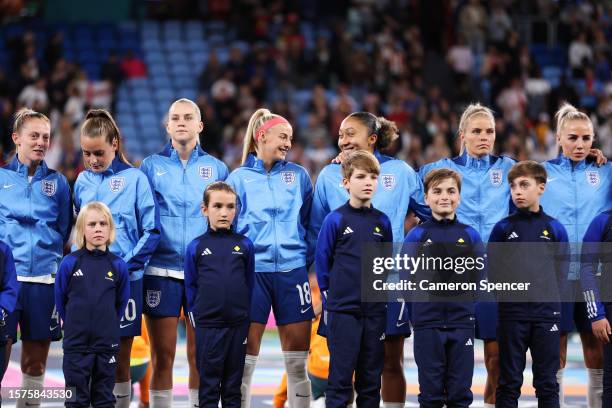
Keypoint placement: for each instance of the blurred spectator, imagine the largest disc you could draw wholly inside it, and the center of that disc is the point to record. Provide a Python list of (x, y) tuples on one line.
[(75, 105), (579, 54), (513, 101), (500, 24), (211, 72), (111, 70), (132, 66), (472, 23), (54, 49), (34, 96)]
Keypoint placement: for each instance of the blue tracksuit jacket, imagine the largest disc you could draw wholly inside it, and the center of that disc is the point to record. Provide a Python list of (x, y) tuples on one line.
[(219, 268), (544, 269), (339, 256), (35, 219), (91, 292), (127, 192), (485, 192), (273, 212), (399, 190), (596, 250), (9, 287), (178, 191), (434, 239)]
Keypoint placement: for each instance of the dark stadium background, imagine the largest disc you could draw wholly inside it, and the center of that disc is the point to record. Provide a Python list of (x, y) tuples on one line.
[(417, 62)]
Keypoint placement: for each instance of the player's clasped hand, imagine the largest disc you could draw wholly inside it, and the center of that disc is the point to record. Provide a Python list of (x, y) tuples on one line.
[(3, 316), (601, 330)]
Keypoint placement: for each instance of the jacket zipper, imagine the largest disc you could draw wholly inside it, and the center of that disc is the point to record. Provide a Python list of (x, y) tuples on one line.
[(274, 222)]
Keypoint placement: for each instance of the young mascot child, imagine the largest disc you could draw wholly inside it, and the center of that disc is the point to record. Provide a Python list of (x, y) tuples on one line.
[(355, 329), (596, 251), (443, 328), (91, 291), (529, 324), (219, 272)]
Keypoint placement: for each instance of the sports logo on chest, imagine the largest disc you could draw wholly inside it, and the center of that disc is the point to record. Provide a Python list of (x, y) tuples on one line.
[(388, 181), (497, 177), (206, 172), (48, 187), (593, 177), (116, 184), (288, 177)]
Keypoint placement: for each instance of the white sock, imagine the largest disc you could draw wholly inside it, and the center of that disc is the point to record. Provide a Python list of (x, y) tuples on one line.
[(393, 404), (31, 383), (298, 385), (247, 376), (160, 398), (194, 398), (122, 393), (560, 382), (595, 390), (485, 405)]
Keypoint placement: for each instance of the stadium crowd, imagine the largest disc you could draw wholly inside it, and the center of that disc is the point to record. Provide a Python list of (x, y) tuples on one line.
[(388, 57)]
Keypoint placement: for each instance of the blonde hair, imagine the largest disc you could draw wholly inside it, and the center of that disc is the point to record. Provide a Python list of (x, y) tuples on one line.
[(257, 119), (473, 109), (568, 112), (360, 160), (80, 222), (25, 114), (194, 105)]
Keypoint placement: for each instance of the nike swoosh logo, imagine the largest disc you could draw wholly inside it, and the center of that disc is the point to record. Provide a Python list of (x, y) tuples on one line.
[(8, 185), (400, 324), (302, 396), (249, 180), (548, 180), (122, 396), (53, 328), (121, 326), (161, 173), (305, 310)]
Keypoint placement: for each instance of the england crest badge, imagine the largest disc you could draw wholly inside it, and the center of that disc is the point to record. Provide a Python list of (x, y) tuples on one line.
[(496, 176), (593, 177), (153, 298), (49, 187), (116, 184), (288, 177), (205, 172), (388, 181)]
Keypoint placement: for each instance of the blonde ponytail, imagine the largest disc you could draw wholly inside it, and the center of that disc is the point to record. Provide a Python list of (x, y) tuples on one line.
[(566, 113), (257, 119)]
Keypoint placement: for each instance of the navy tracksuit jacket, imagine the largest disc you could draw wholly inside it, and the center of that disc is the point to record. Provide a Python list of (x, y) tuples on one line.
[(529, 324), (219, 274), (355, 329), (596, 252), (444, 330), (91, 292)]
